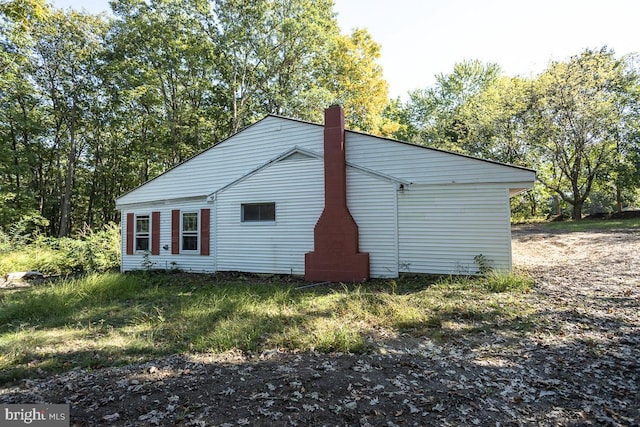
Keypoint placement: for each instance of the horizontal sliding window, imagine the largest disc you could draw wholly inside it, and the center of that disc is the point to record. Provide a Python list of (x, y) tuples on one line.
[(253, 212)]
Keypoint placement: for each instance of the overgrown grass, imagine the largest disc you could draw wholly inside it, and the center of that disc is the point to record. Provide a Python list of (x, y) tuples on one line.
[(97, 250), (497, 281), (112, 319), (593, 224)]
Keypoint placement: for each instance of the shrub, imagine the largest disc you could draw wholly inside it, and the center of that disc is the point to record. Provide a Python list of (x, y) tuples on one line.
[(23, 232), (93, 251), (101, 250)]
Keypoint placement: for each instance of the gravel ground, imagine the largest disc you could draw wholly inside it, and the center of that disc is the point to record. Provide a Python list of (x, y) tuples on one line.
[(578, 363)]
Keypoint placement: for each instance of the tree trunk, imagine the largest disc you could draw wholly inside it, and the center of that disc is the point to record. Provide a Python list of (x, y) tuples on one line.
[(533, 203), (577, 210), (65, 209), (92, 197), (92, 192), (558, 205), (16, 165), (618, 198)]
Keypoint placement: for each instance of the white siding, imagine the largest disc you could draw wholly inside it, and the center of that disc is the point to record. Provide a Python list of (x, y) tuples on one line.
[(265, 140), (427, 166), (229, 160), (296, 187), (185, 261), (456, 207), (372, 203), (443, 227)]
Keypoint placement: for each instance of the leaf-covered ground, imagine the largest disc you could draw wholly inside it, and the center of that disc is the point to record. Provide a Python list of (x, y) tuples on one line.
[(574, 360)]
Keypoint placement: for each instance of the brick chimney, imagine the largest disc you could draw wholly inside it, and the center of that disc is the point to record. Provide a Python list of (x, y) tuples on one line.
[(335, 256)]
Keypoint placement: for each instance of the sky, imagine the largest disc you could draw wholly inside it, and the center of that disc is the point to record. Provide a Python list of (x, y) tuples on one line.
[(423, 38)]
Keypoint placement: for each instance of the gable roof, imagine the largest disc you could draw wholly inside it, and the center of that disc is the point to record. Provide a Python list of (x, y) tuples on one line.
[(307, 153), (188, 159), (411, 144), (274, 137), (280, 157)]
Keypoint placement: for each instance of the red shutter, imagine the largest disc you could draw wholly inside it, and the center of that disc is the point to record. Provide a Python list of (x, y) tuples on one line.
[(130, 225), (205, 215), (175, 231), (155, 233)]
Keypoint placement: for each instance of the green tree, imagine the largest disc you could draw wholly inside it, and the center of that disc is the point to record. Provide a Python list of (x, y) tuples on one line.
[(355, 80), (66, 53), (436, 116), (164, 65), (575, 122), (20, 116), (272, 51), (495, 121), (396, 121), (625, 168), (91, 107)]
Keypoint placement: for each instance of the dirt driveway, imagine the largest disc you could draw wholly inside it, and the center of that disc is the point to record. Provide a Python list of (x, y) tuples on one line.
[(577, 364)]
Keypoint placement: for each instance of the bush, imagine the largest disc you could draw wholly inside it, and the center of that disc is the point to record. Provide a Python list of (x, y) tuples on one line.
[(93, 251), (23, 232), (101, 250)]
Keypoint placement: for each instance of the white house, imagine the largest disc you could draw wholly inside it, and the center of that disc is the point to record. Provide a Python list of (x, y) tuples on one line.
[(256, 202)]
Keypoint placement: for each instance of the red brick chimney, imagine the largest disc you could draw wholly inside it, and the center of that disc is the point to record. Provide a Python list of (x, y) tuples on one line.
[(335, 256)]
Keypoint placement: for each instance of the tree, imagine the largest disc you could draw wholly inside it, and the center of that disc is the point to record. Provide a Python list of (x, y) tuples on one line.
[(20, 118), (495, 121), (355, 80), (574, 123), (91, 108), (66, 51), (16, 19), (164, 65), (625, 167), (436, 113), (272, 51)]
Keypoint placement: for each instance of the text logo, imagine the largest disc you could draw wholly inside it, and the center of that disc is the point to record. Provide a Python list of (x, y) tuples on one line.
[(40, 415)]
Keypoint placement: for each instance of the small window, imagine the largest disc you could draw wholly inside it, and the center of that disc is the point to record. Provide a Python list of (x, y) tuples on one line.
[(142, 233), (258, 212), (190, 231)]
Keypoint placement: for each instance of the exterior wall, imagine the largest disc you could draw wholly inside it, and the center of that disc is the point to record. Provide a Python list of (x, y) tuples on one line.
[(443, 227), (456, 207), (439, 229), (183, 261), (296, 187), (427, 166), (372, 202), (229, 160)]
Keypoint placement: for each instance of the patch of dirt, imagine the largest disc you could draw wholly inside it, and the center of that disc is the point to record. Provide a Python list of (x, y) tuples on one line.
[(578, 363)]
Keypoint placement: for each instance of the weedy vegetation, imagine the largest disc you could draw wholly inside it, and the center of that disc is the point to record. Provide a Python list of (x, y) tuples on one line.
[(106, 319), (22, 248), (92, 317)]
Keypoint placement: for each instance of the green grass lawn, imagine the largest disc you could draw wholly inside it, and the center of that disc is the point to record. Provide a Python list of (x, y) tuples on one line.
[(113, 319), (593, 224)]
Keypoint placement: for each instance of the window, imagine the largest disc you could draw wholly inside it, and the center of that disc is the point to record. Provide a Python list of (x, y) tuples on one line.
[(142, 233), (258, 212), (190, 231)]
